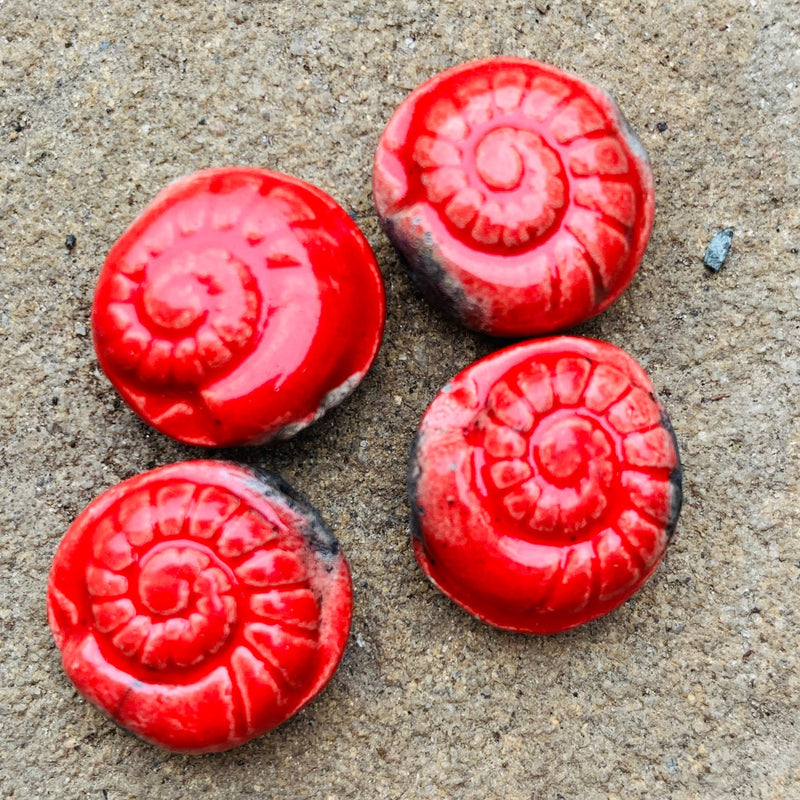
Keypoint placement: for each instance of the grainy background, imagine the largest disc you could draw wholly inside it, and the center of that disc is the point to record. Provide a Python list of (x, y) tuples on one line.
[(690, 690)]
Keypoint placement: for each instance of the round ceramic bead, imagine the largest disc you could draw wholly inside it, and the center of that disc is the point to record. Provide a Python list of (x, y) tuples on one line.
[(238, 308), (517, 193), (545, 484), (200, 604)]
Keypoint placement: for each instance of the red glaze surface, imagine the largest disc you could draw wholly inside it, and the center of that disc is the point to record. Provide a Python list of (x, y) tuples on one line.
[(200, 604), (545, 484), (517, 193), (239, 307)]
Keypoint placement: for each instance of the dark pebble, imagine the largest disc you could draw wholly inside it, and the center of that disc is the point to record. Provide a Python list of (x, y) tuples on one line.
[(70, 241), (718, 249), (662, 126)]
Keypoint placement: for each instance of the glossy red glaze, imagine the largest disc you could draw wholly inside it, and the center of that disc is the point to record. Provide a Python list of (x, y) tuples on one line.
[(517, 193), (545, 484), (239, 307), (200, 604)]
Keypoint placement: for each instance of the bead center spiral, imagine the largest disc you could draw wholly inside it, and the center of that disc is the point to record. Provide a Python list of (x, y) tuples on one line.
[(167, 579), (177, 300), (497, 160), (563, 448)]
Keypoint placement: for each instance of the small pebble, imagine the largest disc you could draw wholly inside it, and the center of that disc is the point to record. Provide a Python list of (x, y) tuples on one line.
[(80, 329), (718, 249), (70, 241)]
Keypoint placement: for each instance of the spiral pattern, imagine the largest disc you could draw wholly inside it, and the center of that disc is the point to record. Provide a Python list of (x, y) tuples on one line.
[(498, 158), (237, 308), (557, 444), (545, 483), (168, 589), (517, 193), (184, 304), (194, 615), (182, 319)]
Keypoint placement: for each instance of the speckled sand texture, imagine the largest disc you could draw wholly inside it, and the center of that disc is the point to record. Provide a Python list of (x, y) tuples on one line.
[(690, 690)]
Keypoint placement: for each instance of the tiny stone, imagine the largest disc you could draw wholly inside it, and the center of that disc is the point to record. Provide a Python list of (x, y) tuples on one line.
[(70, 241), (662, 126), (80, 329), (718, 249)]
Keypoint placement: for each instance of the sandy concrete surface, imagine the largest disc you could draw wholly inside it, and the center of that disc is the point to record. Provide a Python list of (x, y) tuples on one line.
[(690, 690)]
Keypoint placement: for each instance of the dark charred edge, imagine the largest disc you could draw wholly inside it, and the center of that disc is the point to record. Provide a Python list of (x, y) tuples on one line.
[(411, 484), (319, 535), (432, 280), (631, 137), (675, 479)]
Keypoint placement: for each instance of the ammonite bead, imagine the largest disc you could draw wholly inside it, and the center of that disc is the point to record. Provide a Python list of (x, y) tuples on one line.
[(517, 193), (545, 484), (238, 308), (200, 604)]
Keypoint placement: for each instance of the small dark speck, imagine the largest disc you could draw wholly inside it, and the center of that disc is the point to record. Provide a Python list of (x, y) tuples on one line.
[(716, 398), (54, 401), (794, 250), (70, 241), (202, 121), (718, 249), (662, 126)]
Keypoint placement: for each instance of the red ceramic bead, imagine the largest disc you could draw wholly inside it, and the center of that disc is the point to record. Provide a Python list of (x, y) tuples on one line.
[(239, 307), (200, 604), (545, 484), (517, 193)]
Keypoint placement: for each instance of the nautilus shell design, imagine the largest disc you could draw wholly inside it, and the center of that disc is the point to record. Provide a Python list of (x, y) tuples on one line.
[(518, 195), (238, 308), (545, 484), (200, 604)]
